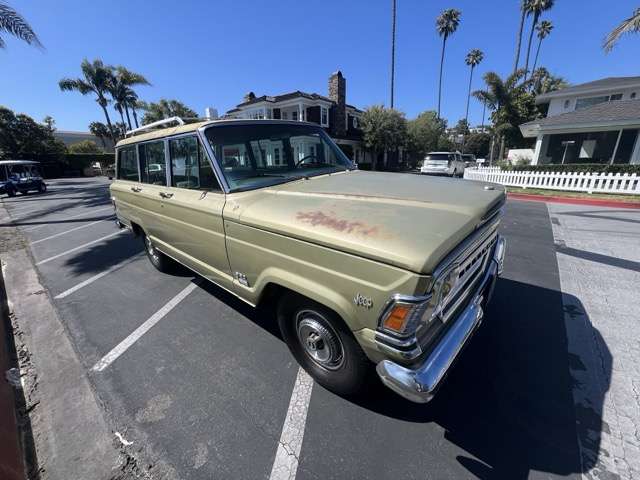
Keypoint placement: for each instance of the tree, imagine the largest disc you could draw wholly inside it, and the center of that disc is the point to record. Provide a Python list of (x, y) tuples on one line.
[(22, 137), (165, 109), (478, 144), (100, 130), (424, 133), (128, 97), (535, 8), (524, 11), (473, 59), (97, 78), (544, 82), (511, 103), (383, 130), (50, 123), (630, 25), (13, 23), (85, 146), (393, 46), (544, 30), (446, 25)]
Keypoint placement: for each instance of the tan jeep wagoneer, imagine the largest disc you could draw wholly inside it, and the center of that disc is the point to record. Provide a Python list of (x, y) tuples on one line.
[(364, 267)]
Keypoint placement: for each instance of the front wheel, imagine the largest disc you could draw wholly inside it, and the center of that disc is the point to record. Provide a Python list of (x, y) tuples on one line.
[(156, 257), (42, 188), (11, 192), (323, 345)]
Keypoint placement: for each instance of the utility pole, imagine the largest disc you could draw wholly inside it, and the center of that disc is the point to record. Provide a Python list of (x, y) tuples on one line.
[(393, 47)]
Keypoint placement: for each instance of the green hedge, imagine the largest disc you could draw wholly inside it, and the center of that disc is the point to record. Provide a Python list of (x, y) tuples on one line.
[(576, 167)]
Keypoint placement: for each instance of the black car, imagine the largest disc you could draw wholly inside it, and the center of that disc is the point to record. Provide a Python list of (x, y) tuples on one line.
[(20, 176)]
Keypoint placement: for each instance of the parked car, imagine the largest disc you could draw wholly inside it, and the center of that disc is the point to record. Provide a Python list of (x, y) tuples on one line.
[(469, 160), (20, 176), (363, 269), (443, 163)]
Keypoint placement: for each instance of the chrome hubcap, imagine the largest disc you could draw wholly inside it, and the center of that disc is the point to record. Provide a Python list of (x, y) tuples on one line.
[(319, 341)]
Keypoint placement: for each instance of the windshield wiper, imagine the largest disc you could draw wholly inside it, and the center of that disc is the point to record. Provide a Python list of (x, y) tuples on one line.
[(262, 174)]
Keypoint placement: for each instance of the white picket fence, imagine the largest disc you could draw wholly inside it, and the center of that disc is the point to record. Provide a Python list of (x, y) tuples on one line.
[(578, 182)]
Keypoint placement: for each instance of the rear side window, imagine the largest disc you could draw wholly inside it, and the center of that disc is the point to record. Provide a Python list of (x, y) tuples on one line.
[(127, 164), (152, 163), (190, 167)]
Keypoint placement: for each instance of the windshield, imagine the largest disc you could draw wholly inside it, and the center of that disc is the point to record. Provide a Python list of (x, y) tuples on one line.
[(258, 155)]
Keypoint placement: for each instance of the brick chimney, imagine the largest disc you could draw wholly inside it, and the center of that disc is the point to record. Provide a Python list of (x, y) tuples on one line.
[(338, 93)]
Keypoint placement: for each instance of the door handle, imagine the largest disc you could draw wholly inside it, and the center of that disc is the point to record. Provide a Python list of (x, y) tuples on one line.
[(166, 195), (136, 189)]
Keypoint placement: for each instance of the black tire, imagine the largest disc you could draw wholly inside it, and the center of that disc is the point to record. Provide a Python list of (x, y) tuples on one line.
[(347, 370), (42, 188), (11, 192), (158, 259)]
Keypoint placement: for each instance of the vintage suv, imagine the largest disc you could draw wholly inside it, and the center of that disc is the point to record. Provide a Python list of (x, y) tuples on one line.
[(363, 267)]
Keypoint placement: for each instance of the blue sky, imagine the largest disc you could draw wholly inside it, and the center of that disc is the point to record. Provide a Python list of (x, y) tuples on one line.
[(208, 53)]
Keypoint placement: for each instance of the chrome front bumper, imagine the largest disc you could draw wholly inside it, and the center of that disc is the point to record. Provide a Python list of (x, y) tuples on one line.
[(419, 383)]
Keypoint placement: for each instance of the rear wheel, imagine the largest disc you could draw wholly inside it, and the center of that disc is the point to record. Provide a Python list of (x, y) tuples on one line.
[(323, 345), (42, 187), (11, 191), (156, 257)]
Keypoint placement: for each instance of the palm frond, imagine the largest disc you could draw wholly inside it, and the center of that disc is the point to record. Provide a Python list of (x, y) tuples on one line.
[(71, 84), (15, 24), (630, 25)]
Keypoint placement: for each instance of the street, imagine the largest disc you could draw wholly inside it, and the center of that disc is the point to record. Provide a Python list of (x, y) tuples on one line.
[(201, 383)]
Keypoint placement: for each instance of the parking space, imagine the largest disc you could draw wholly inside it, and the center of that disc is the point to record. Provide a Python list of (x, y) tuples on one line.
[(204, 384)]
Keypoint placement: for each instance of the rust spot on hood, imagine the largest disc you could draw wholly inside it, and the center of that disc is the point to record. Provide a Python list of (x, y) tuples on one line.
[(331, 220)]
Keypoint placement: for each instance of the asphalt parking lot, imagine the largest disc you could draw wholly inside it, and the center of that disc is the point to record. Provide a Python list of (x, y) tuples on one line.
[(207, 388)]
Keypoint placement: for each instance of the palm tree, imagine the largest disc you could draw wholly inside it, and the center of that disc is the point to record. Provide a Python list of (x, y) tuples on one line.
[(544, 30), (630, 25), (97, 80), (129, 79), (446, 24), (473, 59), (13, 23), (535, 8), (544, 82), (100, 130), (524, 11), (502, 97), (393, 46)]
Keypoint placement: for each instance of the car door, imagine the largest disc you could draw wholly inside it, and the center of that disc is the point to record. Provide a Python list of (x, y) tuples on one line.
[(153, 184), (127, 185), (193, 204)]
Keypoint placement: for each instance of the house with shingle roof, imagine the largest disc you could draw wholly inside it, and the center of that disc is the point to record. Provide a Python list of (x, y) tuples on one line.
[(332, 112), (594, 122)]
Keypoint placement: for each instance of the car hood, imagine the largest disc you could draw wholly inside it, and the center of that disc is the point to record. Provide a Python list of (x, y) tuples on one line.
[(409, 221)]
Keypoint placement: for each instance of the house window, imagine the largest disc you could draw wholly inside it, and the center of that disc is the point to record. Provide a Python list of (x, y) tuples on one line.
[(356, 123), (294, 115), (324, 116), (591, 101), (285, 116), (633, 95), (566, 104), (617, 96)]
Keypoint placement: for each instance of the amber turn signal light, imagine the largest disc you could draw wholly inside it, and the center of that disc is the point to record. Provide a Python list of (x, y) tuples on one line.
[(397, 317)]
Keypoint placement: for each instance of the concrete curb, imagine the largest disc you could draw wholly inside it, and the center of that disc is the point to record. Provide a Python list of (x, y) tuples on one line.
[(574, 201), (69, 433)]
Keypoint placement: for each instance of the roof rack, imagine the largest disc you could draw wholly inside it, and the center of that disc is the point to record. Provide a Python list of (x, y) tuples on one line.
[(160, 123)]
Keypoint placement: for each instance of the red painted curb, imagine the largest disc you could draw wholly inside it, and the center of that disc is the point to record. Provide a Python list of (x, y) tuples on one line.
[(575, 201)]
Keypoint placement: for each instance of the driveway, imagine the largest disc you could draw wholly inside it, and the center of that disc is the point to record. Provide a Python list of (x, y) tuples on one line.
[(203, 386)]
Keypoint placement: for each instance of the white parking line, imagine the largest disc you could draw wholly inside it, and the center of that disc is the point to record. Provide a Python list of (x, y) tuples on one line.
[(90, 280), (46, 260), (285, 464), (123, 346), (30, 229), (72, 230)]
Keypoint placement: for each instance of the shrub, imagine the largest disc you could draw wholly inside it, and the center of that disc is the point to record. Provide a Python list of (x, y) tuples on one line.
[(576, 168)]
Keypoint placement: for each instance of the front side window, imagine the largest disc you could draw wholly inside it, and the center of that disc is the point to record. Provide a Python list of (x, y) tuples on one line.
[(152, 163), (190, 167), (254, 156), (127, 164)]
